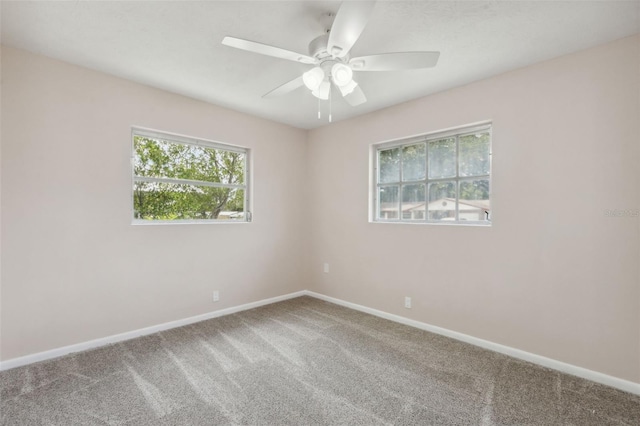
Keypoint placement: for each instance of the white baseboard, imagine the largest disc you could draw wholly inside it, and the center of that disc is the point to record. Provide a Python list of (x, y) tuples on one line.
[(91, 344), (595, 376), (574, 370)]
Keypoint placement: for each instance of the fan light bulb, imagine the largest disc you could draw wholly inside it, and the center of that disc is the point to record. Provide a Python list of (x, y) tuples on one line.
[(313, 78), (342, 74), (322, 92)]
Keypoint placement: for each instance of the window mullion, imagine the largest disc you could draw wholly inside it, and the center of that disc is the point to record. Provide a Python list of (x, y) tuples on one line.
[(476, 177)]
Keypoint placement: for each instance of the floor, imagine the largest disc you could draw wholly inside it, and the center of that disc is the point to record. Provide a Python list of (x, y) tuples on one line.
[(302, 362)]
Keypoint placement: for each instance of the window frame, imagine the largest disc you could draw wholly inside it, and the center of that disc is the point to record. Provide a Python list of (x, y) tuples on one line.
[(187, 140), (456, 133)]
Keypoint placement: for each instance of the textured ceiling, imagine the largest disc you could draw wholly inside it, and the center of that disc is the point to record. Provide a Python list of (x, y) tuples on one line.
[(175, 45)]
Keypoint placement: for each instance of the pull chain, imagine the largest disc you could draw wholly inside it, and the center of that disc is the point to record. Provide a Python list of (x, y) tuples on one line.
[(330, 104)]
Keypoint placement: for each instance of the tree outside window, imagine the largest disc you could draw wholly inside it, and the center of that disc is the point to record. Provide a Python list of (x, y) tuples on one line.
[(187, 180)]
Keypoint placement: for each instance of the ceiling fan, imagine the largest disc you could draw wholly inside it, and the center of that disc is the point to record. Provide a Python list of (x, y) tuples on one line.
[(329, 55)]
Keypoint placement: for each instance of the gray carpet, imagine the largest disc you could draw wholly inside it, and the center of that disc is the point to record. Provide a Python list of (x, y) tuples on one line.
[(302, 362)]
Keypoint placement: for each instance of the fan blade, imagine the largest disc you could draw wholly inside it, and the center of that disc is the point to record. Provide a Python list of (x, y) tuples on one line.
[(356, 97), (265, 49), (395, 61), (289, 86), (349, 23)]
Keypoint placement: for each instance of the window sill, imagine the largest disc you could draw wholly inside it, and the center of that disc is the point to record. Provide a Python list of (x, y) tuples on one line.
[(138, 222), (469, 223)]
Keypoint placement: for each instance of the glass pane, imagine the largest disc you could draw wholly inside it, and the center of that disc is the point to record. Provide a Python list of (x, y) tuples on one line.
[(414, 162), (389, 163), (168, 201), (474, 154), (164, 159), (442, 201), (474, 200), (388, 202), (413, 201), (442, 158)]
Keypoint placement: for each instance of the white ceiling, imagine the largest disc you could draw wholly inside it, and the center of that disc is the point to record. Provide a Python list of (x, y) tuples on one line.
[(175, 45)]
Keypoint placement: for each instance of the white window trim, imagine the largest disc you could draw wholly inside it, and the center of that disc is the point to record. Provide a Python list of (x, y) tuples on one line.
[(426, 138), (187, 140)]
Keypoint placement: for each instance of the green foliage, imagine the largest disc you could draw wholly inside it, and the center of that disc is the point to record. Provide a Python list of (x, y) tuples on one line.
[(474, 154), (190, 200), (389, 194), (389, 163), (413, 162), (474, 161), (474, 190)]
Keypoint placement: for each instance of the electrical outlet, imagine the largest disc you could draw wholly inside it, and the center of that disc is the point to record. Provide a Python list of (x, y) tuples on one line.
[(407, 302), (216, 296), (326, 268)]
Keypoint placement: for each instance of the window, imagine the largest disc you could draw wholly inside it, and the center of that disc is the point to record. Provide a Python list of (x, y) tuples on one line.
[(179, 179), (436, 178)]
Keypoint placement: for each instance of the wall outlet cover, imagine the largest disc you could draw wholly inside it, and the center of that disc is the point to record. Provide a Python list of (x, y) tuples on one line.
[(407, 302)]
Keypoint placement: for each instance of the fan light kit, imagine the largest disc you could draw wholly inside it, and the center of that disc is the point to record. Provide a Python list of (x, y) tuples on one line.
[(313, 78), (342, 75), (329, 55)]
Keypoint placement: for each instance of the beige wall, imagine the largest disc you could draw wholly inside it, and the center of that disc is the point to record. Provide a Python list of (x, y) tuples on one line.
[(74, 268), (559, 280), (553, 275)]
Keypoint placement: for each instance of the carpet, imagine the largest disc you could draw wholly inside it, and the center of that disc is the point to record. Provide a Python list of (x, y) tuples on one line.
[(302, 362)]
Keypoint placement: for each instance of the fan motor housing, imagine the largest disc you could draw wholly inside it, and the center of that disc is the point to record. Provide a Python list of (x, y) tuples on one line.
[(318, 47)]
